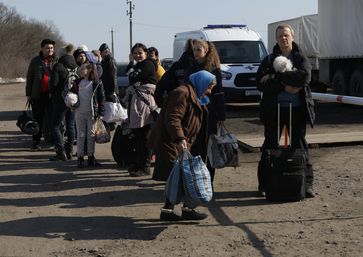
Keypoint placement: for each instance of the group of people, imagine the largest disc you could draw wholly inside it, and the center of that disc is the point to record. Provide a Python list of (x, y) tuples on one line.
[(96, 83), (168, 111)]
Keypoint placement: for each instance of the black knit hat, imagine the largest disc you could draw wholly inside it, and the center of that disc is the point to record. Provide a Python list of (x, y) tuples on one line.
[(78, 52), (103, 47), (46, 42)]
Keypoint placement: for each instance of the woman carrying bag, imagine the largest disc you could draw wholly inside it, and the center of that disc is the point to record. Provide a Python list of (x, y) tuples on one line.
[(178, 124), (140, 102)]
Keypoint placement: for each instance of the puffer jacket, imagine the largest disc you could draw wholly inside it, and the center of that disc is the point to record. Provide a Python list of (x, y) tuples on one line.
[(143, 72), (98, 97), (299, 77), (59, 75)]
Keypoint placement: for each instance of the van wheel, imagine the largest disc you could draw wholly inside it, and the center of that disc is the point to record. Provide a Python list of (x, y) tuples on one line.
[(356, 83), (340, 83)]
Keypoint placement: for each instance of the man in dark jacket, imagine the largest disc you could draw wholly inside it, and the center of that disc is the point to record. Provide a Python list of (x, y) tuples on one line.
[(285, 88), (37, 87), (61, 112), (109, 76)]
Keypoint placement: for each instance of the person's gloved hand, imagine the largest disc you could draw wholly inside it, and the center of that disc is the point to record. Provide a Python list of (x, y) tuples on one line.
[(113, 98)]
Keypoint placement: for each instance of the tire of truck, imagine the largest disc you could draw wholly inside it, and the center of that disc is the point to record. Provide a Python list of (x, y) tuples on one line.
[(340, 83), (356, 83)]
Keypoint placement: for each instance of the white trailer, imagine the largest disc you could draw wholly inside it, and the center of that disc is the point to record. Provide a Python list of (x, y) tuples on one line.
[(340, 32), (333, 41)]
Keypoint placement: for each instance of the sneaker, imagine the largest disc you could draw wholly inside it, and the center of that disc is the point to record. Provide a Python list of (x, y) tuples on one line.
[(58, 157), (192, 214), (137, 173), (261, 193), (36, 147), (147, 171), (309, 193), (169, 215)]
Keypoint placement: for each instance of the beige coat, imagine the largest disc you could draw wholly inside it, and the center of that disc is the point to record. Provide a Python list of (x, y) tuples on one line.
[(139, 111)]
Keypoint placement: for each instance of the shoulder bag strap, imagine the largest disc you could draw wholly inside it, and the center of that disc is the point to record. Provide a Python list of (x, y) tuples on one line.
[(141, 96)]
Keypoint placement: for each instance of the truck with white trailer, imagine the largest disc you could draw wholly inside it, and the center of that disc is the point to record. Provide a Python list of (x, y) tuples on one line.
[(333, 41), (241, 51)]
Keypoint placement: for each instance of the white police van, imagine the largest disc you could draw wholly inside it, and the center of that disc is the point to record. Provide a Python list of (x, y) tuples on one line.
[(240, 50)]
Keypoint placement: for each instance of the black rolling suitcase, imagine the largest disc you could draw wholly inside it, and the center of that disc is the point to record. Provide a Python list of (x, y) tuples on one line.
[(285, 170), (123, 146)]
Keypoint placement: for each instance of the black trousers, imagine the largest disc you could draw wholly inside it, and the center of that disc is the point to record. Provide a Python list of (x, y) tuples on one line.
[(298, 140), (142, 153), (41, 109)]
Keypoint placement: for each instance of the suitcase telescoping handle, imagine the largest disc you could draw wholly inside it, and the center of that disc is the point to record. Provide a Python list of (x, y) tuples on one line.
[(278, 124)]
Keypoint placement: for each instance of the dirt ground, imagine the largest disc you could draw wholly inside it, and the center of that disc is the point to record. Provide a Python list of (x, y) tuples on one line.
[(54, 209)]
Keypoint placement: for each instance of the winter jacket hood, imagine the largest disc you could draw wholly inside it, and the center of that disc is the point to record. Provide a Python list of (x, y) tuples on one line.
[(68, 61)]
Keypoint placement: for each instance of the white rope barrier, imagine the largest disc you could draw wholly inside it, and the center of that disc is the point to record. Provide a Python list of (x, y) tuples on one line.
[(338, 98)]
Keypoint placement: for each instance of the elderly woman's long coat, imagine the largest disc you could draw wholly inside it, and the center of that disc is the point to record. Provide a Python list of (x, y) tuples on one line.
[(180, 118)]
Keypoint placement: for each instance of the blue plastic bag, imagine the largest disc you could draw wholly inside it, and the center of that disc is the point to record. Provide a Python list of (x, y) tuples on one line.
[(173, 187)]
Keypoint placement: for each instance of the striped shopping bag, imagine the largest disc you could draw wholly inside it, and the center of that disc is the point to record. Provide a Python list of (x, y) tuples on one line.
[(196, 178)]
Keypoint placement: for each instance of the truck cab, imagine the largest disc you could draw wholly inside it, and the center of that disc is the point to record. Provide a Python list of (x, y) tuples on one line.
[(241, 52)]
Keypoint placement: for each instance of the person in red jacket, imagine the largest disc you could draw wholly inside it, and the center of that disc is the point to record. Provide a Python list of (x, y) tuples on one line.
[(37, 88)]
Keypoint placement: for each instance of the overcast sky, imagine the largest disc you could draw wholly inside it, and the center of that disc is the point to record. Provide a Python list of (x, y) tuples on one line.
[(155, 22)]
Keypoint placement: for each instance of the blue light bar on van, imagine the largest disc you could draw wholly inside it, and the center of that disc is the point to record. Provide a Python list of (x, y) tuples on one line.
[(225, 26)]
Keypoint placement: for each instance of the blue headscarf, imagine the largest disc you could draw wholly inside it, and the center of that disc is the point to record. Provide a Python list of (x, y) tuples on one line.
[(200, 81)]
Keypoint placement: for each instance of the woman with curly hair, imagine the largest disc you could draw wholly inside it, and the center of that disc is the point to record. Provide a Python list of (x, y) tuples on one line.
[(207, 58)]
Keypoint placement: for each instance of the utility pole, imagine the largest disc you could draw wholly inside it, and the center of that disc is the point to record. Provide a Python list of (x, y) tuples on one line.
[(129, 13), (112, 44)]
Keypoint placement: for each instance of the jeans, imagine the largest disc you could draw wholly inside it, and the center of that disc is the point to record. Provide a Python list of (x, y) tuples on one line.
[(62, 113)]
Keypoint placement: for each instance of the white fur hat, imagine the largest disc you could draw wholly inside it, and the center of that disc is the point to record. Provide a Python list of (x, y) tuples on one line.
[(83, 48), (71, 100)]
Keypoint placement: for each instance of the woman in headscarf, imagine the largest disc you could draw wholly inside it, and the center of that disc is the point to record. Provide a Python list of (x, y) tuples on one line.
[(177, 126)]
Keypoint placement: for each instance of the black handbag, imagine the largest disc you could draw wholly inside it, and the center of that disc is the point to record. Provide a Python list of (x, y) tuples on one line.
[(26, 123)]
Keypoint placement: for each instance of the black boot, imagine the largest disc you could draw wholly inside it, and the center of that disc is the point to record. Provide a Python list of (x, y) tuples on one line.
[(60, 156), (36, 146), (92, 162), (80, 162), (69, 155)]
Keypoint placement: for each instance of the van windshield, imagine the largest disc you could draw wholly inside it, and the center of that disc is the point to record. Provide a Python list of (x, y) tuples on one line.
[(240, 51)]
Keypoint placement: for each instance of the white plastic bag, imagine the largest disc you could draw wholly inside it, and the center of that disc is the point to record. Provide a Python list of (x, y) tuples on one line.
[(114, 112)]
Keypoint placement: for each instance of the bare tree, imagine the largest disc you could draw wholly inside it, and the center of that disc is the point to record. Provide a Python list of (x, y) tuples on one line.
[(20, 41)]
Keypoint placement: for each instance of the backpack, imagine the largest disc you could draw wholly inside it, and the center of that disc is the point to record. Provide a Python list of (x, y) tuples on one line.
[(71, 77)]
